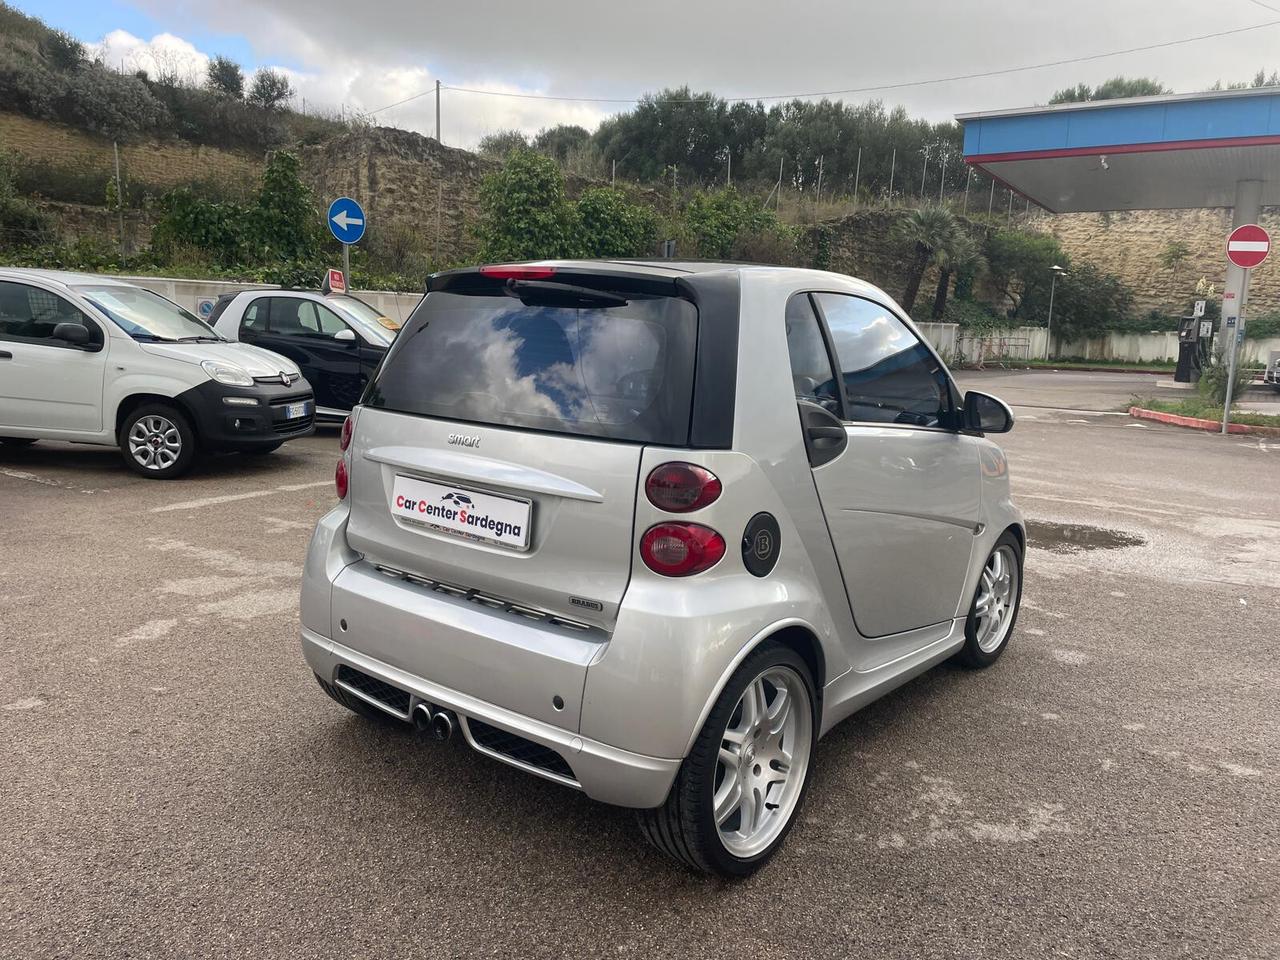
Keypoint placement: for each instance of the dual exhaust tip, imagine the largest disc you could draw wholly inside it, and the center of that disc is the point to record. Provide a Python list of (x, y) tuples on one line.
[(431, 720)]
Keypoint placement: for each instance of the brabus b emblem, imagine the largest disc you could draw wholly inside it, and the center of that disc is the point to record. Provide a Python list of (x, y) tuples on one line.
[(462, 440)]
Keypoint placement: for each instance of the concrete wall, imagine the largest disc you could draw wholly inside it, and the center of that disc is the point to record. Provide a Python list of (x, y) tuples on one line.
[(188, 293)]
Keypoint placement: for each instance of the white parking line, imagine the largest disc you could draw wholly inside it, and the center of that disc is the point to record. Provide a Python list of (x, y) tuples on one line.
[(232, 497)]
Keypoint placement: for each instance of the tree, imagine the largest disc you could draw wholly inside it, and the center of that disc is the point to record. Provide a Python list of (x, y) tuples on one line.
[(523, 211), (225, 77), (1087, 301), (924, 231), (502, 142), (1113, 89), (724, 223), (559, 141), (1020, 267), (285, 219), (271, 90), (612, 226), (63, 51), (961, 256)]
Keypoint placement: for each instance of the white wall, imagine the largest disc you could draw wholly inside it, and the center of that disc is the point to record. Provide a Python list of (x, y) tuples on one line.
[(187, 293)]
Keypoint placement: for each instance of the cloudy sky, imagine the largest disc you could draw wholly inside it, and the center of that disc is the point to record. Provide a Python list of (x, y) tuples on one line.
[(365, 54)]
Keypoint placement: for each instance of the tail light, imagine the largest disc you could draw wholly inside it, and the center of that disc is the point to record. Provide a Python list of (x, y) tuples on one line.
[(344, 440), (681, 487), (518, 271), (680, 549), (340, 479)]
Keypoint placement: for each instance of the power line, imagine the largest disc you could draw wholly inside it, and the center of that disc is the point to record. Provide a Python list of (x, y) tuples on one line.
[(868, 89)]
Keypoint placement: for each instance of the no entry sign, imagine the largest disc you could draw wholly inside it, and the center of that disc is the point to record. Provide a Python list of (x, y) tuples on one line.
[(1248, 246)]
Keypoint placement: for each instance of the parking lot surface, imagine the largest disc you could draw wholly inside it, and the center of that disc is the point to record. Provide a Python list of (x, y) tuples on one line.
[(174, 783)]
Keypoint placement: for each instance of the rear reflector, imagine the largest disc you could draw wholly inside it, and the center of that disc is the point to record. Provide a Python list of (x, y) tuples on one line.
[(518, 271), (681, 549), (681, 487)]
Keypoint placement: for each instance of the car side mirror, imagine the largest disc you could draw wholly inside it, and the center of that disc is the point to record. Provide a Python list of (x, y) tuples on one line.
[(73, 333), (986, 414), (346, 335)]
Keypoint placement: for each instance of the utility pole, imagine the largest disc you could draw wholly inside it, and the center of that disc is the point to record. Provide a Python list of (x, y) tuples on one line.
[(728, 173), (991, 201), (893, 164), (942, 182), (1009, 214), (819, 193), (857, 175), (924, 171), (119, 196), (967, 181), (438, 111), (613, 175)]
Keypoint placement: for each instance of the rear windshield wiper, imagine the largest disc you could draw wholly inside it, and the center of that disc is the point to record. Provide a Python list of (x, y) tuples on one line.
[(543, 293)]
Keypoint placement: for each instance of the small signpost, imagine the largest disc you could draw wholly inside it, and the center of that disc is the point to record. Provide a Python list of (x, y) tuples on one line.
[(1247, 247), (346, 221)]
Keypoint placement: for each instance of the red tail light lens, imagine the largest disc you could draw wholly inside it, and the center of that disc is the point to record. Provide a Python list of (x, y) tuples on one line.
[(680, 549), (518, 271), (344, 440), (340, 479), (681, 487)]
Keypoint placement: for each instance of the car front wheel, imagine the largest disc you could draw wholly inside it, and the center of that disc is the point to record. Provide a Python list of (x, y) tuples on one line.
[(739, 790), (157, 441), (995, 604)]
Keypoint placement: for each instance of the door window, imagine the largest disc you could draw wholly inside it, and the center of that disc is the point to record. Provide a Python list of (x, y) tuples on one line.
[(29, 315), (303, 318), (889, 375), (811, 373), (255, 317)]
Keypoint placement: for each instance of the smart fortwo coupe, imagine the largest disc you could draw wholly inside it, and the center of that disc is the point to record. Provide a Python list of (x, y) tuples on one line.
[(649, 530)]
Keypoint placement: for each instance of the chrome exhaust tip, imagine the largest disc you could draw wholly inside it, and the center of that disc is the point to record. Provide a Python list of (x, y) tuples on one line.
[(442, 725), (422, 717)]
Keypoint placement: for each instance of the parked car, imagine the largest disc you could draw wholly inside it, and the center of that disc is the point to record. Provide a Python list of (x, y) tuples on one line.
[(1272, 374), (337, 340), (649, 530), (93, 360)]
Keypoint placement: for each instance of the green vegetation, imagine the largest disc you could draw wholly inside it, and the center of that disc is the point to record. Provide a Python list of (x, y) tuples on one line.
[(48, 75), (1203, 409), (1113, 89)]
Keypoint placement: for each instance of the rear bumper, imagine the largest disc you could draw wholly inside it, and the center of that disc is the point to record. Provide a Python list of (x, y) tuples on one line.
[(603, 772)]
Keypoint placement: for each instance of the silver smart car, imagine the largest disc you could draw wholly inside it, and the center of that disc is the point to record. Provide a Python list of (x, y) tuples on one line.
[(649, 530)]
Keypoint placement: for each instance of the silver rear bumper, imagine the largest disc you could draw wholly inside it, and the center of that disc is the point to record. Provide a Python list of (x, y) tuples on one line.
[(602, 772)]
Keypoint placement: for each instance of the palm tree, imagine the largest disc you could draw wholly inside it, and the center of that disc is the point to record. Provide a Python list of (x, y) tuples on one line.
[(925, 231), (960, 256)]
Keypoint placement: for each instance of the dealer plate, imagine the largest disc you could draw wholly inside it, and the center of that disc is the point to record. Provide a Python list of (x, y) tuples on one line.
[(462, 512)]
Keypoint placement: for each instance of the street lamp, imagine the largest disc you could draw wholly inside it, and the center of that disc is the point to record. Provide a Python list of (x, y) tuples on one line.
[(1048, 330)]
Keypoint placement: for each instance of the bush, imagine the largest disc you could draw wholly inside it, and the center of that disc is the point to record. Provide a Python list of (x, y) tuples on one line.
[(1213, 381), (724, 224), (523, 211), (202, 116), (106, 103), (500, 144), (1261, 327), (973, 315), (611, 226), (225, 78), (63, 51)]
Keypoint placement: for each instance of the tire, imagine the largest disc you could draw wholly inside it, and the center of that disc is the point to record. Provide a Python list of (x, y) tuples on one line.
[(16, 441), (984, 644), (156, 441), (685, 826), (264, 450), (354, 704)]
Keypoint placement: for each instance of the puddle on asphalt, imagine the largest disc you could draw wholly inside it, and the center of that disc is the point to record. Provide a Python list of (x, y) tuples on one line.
[(1077, 537)]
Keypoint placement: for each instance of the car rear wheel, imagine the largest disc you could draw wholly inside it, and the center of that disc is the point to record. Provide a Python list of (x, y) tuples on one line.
[(739, 790), (157, 441), (995, 605)]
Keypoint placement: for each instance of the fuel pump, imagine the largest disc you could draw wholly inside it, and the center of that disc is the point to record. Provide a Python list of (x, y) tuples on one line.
[(1195, 346)]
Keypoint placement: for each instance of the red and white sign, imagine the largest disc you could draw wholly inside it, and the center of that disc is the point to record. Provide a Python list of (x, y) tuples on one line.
[(1248, 246), (335, 282)]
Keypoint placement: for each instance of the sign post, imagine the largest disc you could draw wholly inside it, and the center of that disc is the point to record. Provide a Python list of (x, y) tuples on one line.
[(1247, 247), (346, 221)]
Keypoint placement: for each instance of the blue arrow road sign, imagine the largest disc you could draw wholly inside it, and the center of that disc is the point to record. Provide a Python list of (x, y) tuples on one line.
[(346, 220)]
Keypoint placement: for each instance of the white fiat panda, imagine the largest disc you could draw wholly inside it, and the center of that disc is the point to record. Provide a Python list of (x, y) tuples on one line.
[(649, 530)]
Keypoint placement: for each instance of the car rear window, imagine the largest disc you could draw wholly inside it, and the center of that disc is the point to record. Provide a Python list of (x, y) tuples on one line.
[(622, 372)]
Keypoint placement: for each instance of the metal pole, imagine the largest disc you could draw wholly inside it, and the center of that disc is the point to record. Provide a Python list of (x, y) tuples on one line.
[(819, 194), (893, 163), (1048, 328), (613, 176), (857, 175), (1234, 335), (778, 199), (439, 208), (1009, 213), (728, 173), (346, 265), (438, 111), (119, 195), (1248, 208), (924, 171), (992, 199), (942, 182), (967, 181)]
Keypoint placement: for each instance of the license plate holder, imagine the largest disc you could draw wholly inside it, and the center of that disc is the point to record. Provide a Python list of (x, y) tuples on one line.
[(462, 512)]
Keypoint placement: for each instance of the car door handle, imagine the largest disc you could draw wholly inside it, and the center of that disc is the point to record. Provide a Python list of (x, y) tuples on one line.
[(5, 355), (826, 433)]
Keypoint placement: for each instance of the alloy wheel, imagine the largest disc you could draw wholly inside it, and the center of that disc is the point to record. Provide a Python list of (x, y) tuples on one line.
[(997, 595), (155, 442), (763, 761)]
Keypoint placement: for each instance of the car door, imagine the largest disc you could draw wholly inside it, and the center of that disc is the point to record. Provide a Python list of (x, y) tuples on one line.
[(48, 383), (899, 487)]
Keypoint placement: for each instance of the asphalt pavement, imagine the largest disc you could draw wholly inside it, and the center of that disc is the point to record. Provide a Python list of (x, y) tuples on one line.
[(175, 784)]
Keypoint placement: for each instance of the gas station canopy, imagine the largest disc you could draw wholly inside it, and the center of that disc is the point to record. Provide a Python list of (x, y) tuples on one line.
[(1145, 153)]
